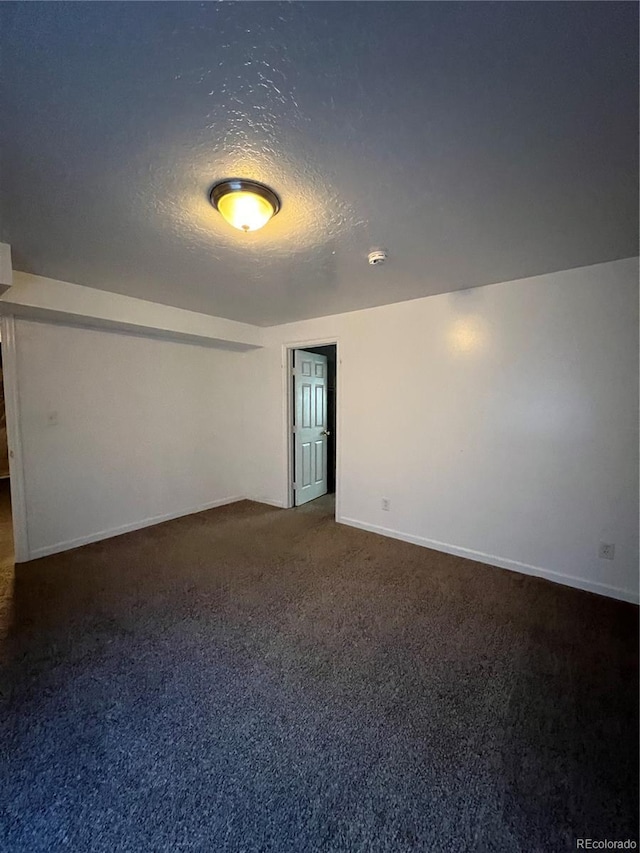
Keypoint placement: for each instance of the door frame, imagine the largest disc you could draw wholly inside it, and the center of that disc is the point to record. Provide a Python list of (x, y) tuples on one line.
[(14, 439), (288, 415)]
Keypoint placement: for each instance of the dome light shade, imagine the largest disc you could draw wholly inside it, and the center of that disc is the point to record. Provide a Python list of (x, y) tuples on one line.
[(247, 205)]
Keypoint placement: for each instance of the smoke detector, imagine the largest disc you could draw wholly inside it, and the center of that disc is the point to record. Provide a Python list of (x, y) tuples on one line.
[(377, 257)]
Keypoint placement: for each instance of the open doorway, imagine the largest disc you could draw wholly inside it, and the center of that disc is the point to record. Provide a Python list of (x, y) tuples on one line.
[(312, 423), (6, 521), (13, 517)]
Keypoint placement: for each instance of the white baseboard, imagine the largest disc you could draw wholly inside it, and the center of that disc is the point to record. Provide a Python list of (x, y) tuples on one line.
[(278, 504), (478, 556), (499, 562), (126, 528)]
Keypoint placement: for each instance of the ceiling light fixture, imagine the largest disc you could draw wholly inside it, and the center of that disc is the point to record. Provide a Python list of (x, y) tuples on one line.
[(247, 205)]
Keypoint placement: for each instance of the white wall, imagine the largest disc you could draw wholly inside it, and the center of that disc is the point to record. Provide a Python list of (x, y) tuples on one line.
[(501, 422), (119, 431)]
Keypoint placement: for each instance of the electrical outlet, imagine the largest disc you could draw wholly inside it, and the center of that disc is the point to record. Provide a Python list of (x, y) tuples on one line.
[(386, 504), (52, 418), (606, 551)]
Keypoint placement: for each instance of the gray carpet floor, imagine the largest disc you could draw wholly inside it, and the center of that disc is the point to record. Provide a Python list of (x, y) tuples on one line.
[(253, 679)]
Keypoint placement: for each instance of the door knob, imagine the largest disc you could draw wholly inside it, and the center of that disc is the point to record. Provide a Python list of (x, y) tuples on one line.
[(325, 432)]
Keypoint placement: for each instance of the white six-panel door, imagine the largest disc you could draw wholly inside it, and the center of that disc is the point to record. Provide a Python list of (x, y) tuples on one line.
[(310, 425)]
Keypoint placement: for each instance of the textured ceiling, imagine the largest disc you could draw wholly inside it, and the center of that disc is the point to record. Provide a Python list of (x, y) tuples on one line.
[(477, 142)]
